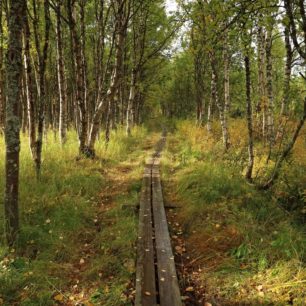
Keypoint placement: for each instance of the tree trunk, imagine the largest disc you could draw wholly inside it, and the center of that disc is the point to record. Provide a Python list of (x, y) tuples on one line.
[(261, 104), (226, 63), (24, 116), (130, 103), (249, 171), (80, 90), (12, 126), (2, 97), (42, 87), (29, 88), (83, 56), (293, 26), (121, 23), (210, 107), (61, 78), (270, 107), (222, 116), (108, 122), (199, 87), (286, 89), (285, 153), (289, 57)]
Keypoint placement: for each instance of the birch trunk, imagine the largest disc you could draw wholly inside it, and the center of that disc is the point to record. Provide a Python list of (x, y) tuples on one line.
[(261, 107), (29, 88), (286, 151), (12, 126), (130, 103), (80, 90), (199, 87), (24, 116), (293, 25), (42, 87), (261, 70), (270, 120), (61, 78), (209, 108), (286, 89), (289, 58), (223, 119), (108, 122), (226, 63), (120, 30), (83, 56), (249, 171), (2, 97)]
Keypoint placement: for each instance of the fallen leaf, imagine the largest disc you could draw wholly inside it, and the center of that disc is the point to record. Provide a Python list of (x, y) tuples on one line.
[(189, 289), (259, 288), (179, 249), (82, 261), (58, 297)]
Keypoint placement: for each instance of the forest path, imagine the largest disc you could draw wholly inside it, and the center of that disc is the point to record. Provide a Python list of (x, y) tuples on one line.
[(156, 277)]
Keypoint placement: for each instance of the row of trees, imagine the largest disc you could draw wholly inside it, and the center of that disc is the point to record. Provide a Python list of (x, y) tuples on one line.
[(245, 58), (91, 65), (77, 64)]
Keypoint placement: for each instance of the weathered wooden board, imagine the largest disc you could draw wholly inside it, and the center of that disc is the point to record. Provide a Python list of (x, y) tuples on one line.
[(145, 270), (156, 282), (169, 292)]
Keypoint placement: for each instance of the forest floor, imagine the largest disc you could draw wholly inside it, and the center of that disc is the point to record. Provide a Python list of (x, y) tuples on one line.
[(234, 245), (78, 225)]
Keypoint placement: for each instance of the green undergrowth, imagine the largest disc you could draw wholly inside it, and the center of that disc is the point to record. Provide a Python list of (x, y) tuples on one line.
[(248, 245), (76, 242)]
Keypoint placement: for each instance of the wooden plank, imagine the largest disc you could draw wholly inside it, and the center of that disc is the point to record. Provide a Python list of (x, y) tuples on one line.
[(169, 292), (145, 268)]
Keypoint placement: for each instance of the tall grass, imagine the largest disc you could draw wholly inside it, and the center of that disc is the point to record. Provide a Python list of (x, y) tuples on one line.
[(240, 237), (58, 215)]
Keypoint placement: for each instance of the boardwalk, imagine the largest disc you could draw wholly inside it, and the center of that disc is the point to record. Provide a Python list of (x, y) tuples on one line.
[(156, 278)]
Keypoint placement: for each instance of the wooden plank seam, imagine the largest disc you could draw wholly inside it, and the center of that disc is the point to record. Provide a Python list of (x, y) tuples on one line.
[(156, 282)]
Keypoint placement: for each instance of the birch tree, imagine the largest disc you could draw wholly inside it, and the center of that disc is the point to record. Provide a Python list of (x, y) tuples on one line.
[(121, 11), (80, 89), (29, 87), (2, 96), (42, 56), (12, 125), (61, 77)]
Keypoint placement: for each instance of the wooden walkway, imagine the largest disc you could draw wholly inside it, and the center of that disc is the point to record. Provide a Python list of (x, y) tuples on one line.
[(156, 278)]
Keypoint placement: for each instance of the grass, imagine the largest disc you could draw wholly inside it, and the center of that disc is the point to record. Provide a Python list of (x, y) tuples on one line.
[(249, 246), (77, 238), (76, 243)]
